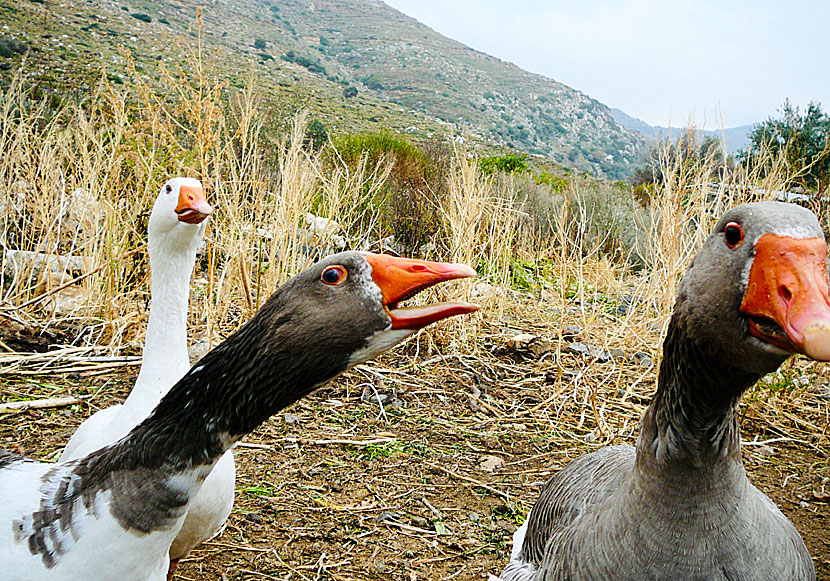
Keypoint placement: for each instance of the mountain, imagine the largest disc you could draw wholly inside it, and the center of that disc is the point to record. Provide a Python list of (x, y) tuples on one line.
[(356, 64), (736, 138)]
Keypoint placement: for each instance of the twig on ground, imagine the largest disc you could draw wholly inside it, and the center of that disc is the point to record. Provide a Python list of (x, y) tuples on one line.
[(37, 404)]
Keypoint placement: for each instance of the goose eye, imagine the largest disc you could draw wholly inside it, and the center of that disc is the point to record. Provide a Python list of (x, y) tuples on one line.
[(334, 275), (734, 234), (168, 188)]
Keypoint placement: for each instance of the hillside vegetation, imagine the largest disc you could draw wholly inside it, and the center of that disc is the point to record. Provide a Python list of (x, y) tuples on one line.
[(421, 464), (354, 64)]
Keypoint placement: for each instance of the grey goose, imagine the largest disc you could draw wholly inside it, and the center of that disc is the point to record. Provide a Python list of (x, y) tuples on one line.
[(680, 505), (114, 513)]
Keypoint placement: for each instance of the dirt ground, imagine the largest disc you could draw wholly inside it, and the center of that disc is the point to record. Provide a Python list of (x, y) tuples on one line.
[(431, 483)]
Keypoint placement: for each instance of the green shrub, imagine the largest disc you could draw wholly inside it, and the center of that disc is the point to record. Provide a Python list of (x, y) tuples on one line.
[(556, 183), (142, 17), (409, 203), (508, 163), (259, 44), (316, 134)]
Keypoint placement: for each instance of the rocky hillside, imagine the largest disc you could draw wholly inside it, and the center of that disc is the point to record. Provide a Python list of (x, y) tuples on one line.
[(357, 64)]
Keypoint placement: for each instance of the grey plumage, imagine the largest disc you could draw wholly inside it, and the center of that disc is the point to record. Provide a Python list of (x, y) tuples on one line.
[(680, 506)]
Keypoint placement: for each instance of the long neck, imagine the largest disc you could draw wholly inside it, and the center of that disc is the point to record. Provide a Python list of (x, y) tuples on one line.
[(264, 367), (165, 358), (690, 438)]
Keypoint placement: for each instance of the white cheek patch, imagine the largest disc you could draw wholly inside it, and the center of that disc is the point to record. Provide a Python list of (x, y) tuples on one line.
[(379, 342), (370, 293), (795, 231)]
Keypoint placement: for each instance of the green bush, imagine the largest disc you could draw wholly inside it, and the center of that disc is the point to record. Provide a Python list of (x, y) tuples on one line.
[(316, 134), (142, 17), (304, 61), (508, 163), (259, 44), (409, 204), (556, 183)]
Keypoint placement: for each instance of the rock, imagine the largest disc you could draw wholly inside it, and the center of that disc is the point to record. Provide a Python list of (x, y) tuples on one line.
[(804, 504), (821, 496), (618, 354), (377, 397), (319, 226), (520, 341), (419, 521), (67, 301), (528, 342), (642, 359), (570, 332), (23, 261), (81, 209), (482, 289), (588, 351), (199, 349), (388, 245), (765, 450), (290, 418), (490, 463), (387, 516)]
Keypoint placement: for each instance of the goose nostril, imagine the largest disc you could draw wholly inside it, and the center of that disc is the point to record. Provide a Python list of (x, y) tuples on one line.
[(785, 293)]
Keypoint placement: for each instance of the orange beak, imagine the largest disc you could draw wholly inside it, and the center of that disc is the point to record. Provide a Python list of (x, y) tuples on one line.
[(402, 278), (786, 300), (193, 207)]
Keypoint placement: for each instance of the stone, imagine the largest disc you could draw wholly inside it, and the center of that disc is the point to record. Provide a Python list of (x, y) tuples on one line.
[(588, 351), (490, 463), (570, 332)]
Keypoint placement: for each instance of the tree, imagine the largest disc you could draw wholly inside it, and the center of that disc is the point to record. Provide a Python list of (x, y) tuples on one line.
[(687, 155), (801, 138), (316, 134), (350, 92)]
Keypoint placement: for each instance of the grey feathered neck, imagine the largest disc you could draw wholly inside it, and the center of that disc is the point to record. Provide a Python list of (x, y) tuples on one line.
[(692, 421)]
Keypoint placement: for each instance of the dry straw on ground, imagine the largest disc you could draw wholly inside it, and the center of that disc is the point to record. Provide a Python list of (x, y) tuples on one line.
[(80, 183)]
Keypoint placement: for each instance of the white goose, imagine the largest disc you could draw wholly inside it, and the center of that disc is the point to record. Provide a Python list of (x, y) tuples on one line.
[(679, 505), (114, 513), (174, 231)]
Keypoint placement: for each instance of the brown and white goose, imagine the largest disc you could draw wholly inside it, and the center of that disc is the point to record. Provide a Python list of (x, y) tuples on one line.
[(680, 506), (114, 513)]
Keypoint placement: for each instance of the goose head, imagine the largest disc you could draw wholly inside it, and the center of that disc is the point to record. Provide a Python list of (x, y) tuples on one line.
[(179, 213), (757, 292), (337, 313), (354, 300)]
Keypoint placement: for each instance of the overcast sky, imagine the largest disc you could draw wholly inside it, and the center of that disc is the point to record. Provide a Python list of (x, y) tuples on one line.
[(719, 63)]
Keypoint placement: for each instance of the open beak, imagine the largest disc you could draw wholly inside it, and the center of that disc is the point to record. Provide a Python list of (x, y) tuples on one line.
[(786, 301), (193, 207), (402, 278)]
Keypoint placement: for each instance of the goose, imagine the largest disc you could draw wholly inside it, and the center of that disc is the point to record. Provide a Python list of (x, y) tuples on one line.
[(679, 505), (114, 513), (174, 232)]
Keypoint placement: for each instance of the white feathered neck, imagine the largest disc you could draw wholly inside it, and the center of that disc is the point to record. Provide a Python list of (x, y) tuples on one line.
[(165, 358)]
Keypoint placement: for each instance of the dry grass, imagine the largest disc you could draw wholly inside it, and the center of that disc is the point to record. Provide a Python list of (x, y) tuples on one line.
[(81, 182)]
